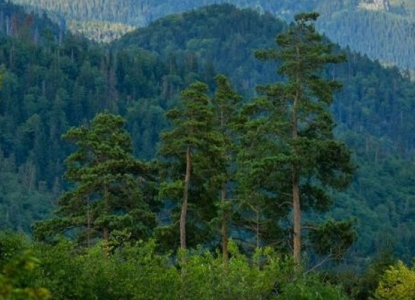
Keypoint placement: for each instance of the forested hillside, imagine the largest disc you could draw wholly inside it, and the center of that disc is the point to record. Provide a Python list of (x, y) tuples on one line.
[(372, 111), (382, 29), (43, 69), (52, 81), (384, 34), (24, 196)]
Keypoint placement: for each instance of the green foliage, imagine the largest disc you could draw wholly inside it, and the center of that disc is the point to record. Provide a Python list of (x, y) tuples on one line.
[(311, 288), (205, 277), (21, 202), (12, 246), (53, 81), (381, 33), (112, 188), (397, 283), (227, 120), (129, 273), (59, 271), (384, 27), (136, 271), (363, 285), (11, 280), (230, 53), (100, 31), (333, 238), (191, 150), (290, 153), (372, 112), (17, 266)]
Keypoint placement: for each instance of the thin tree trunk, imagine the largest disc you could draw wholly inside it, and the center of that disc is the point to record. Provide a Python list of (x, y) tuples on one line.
[(257, 228), (106, 232), (295, 175), (224, 229), (106, 241), (185, 199), (88, 216), (297, 217)]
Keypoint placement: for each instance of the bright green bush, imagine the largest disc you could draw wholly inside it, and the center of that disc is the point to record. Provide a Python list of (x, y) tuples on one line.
[(134, 272), (12, 245), (138, 272), (13, 280), (61, 271), (398, 283), (311, 288), (205, 277)]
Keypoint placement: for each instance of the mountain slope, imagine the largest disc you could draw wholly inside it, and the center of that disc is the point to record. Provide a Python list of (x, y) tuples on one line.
[(53, 81), (374, 111), (382, 29)]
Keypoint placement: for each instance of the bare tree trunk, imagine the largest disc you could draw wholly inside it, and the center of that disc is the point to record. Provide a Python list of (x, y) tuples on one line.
[(295, 176), (297, 217), (257, 228), (106, 232), (106, 241), (185, 199), (88, 216), (224, 229)]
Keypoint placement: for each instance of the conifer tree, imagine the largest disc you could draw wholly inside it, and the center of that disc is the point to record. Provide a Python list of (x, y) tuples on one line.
[(226, 112), (112, 189), (300, 158), (190, 148)]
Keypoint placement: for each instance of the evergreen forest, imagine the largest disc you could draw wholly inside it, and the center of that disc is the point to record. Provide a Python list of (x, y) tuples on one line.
[(381, 29), (185, 161)]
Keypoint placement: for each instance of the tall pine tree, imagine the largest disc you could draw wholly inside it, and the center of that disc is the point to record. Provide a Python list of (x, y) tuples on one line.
[(191, 150), (299, 157), (226, 105)]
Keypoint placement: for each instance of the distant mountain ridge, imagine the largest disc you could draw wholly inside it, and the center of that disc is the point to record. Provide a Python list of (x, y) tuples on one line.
[(382, 29)]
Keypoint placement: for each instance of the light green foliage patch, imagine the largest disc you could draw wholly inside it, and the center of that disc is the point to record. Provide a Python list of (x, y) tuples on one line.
[(138, 272), (398, 283)]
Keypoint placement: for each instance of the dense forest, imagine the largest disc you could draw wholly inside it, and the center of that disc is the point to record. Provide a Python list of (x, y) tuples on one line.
[(383, 27), (371, 110), (54, 83)]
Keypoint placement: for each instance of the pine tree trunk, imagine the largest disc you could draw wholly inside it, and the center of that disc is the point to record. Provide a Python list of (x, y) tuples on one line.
[(295, 174), (106, 232), (224, 229), (88, 217), (183, 215), (297, 217), (106, 241)]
